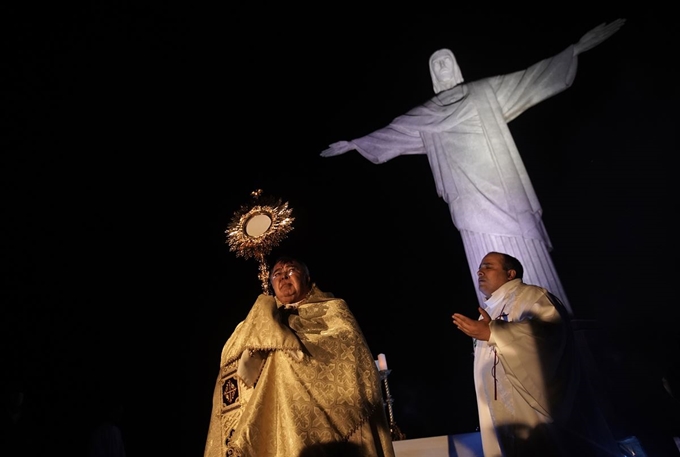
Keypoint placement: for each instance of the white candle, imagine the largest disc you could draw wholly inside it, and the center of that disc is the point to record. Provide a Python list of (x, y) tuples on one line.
[(382, 362)]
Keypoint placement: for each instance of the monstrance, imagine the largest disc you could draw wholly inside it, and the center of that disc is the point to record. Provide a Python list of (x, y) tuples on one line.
[(258, 227)]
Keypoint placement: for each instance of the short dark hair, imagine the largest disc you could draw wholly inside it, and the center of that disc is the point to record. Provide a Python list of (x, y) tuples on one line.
[(511, 263), (289, 260)]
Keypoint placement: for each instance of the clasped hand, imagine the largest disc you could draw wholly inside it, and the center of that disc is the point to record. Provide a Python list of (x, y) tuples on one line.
[(478, 329)]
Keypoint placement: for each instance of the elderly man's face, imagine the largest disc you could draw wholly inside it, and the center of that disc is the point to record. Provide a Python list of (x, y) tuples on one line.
[(491, 274), (289, 282)]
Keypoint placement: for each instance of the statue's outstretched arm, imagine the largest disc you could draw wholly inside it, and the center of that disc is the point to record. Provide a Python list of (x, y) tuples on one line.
[(337, 148), (597, 35)]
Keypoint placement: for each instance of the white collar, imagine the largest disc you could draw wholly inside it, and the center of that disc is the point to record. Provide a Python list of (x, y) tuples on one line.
[(500, 293)]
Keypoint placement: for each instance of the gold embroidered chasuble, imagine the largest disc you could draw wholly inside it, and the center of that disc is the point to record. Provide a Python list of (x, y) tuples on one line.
[(292, 381)]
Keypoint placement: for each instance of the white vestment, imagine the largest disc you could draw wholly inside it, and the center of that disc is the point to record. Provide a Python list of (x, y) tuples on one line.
[(532, 394)]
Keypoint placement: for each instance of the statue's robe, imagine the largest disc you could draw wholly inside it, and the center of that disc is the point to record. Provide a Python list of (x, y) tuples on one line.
[(476, 166)]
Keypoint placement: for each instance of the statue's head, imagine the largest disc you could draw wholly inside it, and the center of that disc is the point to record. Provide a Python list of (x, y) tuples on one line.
[(444, 70)]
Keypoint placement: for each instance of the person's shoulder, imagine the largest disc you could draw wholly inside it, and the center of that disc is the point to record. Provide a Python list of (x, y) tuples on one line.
[(535, 287), (329, 298), (317, 294), (532, 290), (329, 295), (264, 300)]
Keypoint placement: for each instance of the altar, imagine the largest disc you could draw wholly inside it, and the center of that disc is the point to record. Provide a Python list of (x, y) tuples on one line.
[(460, 445)]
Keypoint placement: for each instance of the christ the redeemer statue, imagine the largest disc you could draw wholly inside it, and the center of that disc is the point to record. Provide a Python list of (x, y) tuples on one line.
[(477, 168)]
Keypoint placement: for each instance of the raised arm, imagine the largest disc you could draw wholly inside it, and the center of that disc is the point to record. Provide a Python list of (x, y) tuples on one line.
[(597, 35), (337, 148)]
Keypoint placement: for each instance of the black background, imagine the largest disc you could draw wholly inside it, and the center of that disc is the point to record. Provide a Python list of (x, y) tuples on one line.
[(134, 131)]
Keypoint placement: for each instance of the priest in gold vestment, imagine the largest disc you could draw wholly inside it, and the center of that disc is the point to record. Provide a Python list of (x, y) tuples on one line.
[(297, 378)]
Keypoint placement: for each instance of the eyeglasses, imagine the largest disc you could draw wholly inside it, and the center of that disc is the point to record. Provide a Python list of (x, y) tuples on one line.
[(287, 272)]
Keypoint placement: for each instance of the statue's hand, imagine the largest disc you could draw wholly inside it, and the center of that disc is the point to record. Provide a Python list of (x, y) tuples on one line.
[(597, 36), (336, 149)]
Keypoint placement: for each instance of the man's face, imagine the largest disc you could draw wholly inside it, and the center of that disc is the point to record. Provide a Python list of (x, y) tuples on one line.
[(289, 282), (443, 68), (491, 274)]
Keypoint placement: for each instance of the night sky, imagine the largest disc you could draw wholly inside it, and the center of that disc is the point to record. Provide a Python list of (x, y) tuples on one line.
[(133, 132)]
